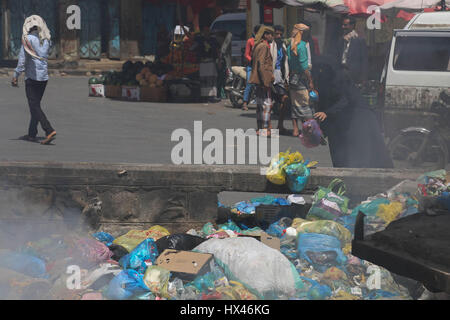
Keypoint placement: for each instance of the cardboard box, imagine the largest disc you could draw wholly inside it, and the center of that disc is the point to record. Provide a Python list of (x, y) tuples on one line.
[(96, 90), (131, 93), (156, 94), (186, 265), (113, 91), (268, 240)]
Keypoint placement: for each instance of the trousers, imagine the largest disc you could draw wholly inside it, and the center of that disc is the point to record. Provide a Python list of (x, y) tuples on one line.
[(35, 91)]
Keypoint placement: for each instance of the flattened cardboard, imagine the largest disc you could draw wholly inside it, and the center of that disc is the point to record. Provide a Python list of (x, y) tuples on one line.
[(268, 240), (186, 265)]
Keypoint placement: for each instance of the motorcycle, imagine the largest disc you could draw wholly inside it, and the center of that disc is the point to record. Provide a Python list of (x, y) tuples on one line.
[(236, 83), (424, 148)]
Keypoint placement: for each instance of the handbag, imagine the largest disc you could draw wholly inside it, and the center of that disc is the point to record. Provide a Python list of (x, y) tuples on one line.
[(329, 203)]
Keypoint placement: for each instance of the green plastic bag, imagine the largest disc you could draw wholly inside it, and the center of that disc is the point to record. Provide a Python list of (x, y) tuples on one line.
[(329, 204)]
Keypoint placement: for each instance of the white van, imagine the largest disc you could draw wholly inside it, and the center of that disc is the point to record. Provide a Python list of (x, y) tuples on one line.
[(417, 68), (236, 23)]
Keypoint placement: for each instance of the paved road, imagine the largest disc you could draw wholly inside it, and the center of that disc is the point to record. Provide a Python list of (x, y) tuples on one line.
[(103, 130)]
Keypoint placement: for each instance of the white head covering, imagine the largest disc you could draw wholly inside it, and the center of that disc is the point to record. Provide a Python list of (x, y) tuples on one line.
[(43, 31)]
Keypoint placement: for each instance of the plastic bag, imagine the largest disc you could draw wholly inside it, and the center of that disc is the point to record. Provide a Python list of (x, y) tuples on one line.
[(278, 228), (208, 229), (23, 263), (329, 205), (390, 212), (204, 283), (311, 134), (317, 291), (134, 237), (157, 280), (125, 285), (104, 237), (297, 176), (236, 291), (145, 253), (181, 241), (89, 251), (275, 173), (261, 269), (327, 227), (320, 250)]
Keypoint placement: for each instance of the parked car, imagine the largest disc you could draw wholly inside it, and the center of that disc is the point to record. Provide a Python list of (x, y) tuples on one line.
[(236, 23), (417, 70)]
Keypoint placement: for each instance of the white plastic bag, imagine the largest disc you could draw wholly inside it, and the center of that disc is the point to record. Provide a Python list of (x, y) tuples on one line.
[(259, 267)]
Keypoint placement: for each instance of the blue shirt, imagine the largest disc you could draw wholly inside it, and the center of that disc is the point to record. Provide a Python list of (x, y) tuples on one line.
[(35, 69), (280, 55)]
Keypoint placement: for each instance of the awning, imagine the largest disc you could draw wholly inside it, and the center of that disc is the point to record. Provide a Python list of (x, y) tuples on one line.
[(360, 6), (336, 5)]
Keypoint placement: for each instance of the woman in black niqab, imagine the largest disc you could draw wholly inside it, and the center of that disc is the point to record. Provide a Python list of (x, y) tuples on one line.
[(354, 133)]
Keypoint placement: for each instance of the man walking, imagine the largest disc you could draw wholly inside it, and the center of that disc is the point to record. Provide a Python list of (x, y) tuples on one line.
[(352, 51), (262, 76), (281, 74), (33, 60)]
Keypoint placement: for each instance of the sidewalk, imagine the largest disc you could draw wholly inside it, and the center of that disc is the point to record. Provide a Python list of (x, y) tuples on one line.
[(73, 68)]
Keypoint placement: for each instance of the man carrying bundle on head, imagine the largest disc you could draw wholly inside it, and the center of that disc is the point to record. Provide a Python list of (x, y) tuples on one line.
[(33, 61)]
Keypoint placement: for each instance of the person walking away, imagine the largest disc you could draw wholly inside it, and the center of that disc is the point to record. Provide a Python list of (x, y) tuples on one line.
[(262, 76), (248, 60), (352, 51), (208, 51), (300, 79), (33, 56), (281, 73)]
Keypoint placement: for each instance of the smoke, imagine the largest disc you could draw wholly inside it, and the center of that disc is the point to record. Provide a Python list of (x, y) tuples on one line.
[(37, 227)]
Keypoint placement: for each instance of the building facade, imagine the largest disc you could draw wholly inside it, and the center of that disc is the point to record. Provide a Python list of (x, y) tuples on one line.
[(114, 29)]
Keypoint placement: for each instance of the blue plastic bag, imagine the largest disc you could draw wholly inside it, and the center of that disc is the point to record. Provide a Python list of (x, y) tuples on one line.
[(444, 199), (277, 229), (125, 285), (104, 237), (204, 283), (24, 263), (317, 291), (297, 176), (326, 248), (145, 252)]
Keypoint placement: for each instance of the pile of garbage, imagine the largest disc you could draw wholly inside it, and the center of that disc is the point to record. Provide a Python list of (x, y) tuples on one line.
[(294, 258)]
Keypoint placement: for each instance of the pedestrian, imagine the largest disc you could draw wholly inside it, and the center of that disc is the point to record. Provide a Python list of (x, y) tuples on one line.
[(354, 133), (33, 56), (262, 76), (248, 61), (281, 73), (208, 52), (312, 44), (352, 51), (300, 79)]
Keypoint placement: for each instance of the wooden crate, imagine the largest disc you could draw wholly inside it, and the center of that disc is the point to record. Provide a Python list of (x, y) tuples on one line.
[(131, 93), (157, 94), (113, 91)]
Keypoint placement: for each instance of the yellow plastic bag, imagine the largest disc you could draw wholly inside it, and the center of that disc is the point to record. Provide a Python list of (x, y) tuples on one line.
[(297, 222), (157, 280), (132, 238), (389, 212), (327, 227), (236, 291), (276, 174)]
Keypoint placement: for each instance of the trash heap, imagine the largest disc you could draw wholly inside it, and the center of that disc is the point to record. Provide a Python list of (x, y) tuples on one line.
[(294, 258)]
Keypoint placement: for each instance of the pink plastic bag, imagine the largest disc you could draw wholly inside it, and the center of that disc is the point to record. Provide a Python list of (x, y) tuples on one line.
[(311, 134)]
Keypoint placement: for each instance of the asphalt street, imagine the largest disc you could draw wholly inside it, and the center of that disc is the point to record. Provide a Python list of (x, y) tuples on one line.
[(104, 130)]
